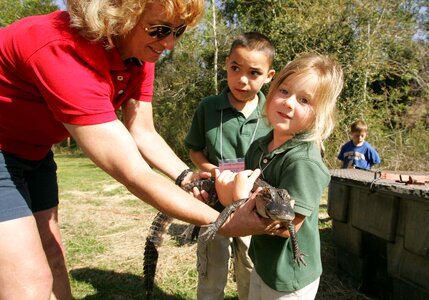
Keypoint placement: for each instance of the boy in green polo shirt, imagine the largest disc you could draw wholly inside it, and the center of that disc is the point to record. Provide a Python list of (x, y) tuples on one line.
[(223, 127)]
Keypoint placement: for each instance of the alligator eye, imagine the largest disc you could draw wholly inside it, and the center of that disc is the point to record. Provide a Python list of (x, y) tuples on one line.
[(270, 206)]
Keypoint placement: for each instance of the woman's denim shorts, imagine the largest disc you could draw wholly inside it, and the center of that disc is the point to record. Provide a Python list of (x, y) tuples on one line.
[(26, 186)]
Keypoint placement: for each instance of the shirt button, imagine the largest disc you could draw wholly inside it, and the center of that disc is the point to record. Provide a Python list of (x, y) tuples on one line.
[(120, 92), (120, 77), (265, 160)]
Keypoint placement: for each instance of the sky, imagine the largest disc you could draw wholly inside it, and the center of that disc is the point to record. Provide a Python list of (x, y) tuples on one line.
[(60, 3)]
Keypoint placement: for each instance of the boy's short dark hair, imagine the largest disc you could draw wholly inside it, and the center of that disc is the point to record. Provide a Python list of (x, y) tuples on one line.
[(255, 41), (359, 126)]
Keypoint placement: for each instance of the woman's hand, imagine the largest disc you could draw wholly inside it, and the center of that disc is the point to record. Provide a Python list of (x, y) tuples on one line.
[(245, 221), (190, 177), (278, 229)]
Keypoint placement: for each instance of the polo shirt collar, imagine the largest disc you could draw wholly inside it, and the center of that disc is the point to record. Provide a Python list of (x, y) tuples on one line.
[(115, 60), (117, 64), (133, 60), (290, 144), (224, 101)]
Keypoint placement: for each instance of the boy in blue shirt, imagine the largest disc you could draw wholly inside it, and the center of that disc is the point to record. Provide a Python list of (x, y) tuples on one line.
[(358, 153), (223, 127)]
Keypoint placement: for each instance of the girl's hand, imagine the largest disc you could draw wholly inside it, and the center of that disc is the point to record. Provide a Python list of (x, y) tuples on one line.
[(224, 186), (244, 182), (232, 186)]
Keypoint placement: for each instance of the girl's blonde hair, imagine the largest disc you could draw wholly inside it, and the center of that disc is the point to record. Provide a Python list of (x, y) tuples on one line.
[(104, 19), (330, 84)]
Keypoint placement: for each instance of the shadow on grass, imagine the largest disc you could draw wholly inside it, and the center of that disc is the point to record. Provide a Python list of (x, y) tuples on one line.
[(111, 285)]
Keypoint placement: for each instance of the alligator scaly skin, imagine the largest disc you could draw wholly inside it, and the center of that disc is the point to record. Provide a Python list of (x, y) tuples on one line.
[(150, 257), (159, 227)]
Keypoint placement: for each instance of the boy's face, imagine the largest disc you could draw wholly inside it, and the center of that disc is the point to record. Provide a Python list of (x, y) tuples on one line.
[(247, 71), (358, 137)]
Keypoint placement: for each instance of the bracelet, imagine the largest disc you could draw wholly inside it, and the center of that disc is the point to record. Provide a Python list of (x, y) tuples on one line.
[(182, 176)]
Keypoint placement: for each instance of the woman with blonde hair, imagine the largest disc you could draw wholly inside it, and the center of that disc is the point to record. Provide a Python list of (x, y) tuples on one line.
[(66, 73)]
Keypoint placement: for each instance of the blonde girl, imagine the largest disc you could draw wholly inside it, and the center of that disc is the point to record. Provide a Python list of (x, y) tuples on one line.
[(300, 107)]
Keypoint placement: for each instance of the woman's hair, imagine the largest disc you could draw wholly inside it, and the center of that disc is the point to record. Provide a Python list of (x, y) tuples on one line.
[(255, 41), (104, 19), (329, 86)]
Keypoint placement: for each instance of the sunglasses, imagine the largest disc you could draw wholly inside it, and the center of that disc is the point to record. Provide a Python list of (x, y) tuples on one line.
[(162, 31)]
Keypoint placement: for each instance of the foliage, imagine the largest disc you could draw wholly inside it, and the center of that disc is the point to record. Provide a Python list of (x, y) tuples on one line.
[(12, 10), (382, 46)]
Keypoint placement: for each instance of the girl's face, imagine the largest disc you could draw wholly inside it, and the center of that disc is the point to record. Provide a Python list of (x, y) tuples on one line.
[(140, 44), (290, 108)]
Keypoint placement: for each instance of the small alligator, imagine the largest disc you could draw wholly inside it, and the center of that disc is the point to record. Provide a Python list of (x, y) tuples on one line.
[(270, 203)]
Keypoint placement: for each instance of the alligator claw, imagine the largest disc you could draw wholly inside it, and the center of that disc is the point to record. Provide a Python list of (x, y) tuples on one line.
[(210, 233), (299, 259)]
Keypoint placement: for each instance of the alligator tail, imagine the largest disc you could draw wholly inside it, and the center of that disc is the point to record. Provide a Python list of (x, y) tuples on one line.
[(150, 256), (159, 227)]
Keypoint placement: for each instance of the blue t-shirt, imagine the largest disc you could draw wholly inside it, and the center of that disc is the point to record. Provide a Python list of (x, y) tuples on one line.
[(361, 157)]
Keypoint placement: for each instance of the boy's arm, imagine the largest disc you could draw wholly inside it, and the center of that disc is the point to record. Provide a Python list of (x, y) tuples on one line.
[(374, 157), (201, 161)]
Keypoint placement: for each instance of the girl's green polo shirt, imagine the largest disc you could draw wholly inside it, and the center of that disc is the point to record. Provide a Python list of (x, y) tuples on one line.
[(296, 166)]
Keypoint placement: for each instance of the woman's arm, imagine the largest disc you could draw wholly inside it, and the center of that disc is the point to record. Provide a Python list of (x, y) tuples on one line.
[(111, 147), (139, 121)]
